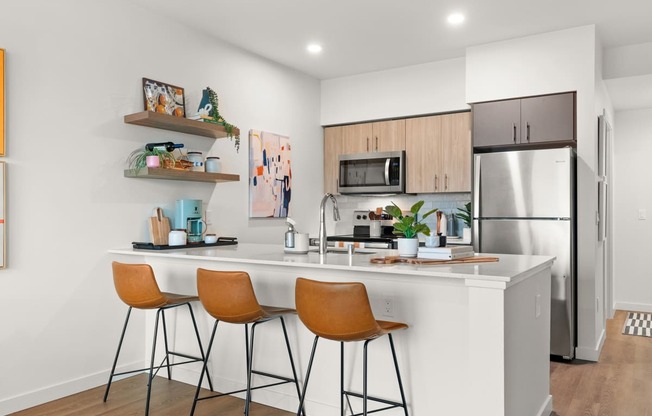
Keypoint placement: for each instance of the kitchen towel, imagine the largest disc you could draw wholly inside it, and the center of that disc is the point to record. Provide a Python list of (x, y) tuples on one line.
[(638, 323)]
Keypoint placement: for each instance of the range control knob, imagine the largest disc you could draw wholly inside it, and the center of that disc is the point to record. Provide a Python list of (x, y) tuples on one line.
[(358, 217), (364, 217)]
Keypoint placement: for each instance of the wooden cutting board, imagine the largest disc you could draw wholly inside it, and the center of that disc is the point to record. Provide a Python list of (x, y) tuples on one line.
[(416, 260), (159, 228)]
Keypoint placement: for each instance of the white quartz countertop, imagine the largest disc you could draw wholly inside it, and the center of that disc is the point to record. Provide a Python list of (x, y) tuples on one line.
[(509, 269)]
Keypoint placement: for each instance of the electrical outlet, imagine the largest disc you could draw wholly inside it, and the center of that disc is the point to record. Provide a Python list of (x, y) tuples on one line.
[(537, 305), (388, 306), (642, 214), (209, 217)]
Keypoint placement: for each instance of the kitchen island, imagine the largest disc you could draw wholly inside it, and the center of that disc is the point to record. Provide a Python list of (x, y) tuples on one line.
[(478, 341)]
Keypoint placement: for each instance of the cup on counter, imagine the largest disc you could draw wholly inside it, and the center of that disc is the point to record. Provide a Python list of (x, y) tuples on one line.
[(432, 241), (210, 239), (301, 243), (374, 228), (177, 237)]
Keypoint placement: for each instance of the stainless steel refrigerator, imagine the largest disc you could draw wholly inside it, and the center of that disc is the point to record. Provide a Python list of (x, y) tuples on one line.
[(524, 203)]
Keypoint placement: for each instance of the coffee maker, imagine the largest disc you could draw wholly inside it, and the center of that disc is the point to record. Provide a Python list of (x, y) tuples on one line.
[(189, 217)]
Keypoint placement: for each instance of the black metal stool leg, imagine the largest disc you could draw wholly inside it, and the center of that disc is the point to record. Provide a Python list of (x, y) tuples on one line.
[(294, 371), (342, 393), (165, 341), (250, 366), (398, 374), (117, 354), (305, 383), (201, 349), (204, 368), (151, 365), (364, 378)]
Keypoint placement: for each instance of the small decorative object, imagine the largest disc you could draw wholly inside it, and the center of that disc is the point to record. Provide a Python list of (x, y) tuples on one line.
[(138, 159), (213, 164), (465, 215), (163, 98), (197, 161), (209, 112), (270, 175), (409, 226)]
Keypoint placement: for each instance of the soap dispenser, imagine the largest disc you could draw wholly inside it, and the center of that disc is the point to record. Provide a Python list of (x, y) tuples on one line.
[(289, 234)]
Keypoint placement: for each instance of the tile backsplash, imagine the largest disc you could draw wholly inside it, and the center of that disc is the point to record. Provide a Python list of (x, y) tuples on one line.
[(447, 203)]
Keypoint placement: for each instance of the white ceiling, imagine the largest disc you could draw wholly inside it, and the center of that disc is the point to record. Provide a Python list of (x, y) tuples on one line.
[(361, 36)]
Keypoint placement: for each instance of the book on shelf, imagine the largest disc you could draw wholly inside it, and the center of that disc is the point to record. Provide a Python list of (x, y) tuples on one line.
[(444, 256)]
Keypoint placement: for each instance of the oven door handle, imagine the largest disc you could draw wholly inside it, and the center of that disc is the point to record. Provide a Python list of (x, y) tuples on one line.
[(387, 163)]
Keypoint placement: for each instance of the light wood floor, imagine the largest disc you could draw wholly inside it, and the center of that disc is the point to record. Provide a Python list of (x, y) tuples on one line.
[(620, 384)]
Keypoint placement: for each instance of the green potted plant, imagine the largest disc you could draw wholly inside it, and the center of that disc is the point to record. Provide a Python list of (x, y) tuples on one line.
[(218, 119), (143, 157), (465, 215), (409, 226)]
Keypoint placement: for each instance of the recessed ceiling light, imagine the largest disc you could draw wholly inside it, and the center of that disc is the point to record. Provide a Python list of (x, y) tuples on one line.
[(455, 18), (314, 48)]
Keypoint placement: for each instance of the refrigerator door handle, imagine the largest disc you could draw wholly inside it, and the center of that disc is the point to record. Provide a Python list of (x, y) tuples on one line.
[(476, 187)]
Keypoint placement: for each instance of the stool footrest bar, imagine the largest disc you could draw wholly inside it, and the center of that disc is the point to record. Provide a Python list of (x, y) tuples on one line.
[(376, 399)]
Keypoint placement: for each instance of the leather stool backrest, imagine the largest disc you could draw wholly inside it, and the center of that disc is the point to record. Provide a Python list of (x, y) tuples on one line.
[(336, 311), (136, 285), (228, 296)]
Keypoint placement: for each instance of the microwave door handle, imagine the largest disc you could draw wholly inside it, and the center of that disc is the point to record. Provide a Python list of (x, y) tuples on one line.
[(387, 163)]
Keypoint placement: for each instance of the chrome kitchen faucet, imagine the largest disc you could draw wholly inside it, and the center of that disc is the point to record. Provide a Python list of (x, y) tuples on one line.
[(322, 221)]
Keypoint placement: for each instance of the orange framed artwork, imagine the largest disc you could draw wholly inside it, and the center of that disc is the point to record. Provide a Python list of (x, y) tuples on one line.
[(2, 102)]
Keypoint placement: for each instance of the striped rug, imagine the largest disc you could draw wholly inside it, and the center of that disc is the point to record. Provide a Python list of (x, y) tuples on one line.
[(638, 323)]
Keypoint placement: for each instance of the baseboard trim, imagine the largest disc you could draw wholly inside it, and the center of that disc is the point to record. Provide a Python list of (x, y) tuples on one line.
[(634, 307), (591, 354), (546, 408), (57, 391)]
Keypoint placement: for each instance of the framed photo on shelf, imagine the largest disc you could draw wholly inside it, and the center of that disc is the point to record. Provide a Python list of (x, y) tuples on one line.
[(164, 98)]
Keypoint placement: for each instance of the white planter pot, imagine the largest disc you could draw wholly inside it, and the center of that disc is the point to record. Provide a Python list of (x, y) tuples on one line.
[(408, 247), (466, 235)]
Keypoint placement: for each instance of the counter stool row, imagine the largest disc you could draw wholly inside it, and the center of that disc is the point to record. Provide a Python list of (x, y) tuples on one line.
[(337, 311)]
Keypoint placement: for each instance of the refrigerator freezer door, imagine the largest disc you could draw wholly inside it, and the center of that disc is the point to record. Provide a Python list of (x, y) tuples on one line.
[(541, 237), (524, 184)]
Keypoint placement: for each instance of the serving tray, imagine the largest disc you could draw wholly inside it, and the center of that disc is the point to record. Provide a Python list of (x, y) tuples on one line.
[(221, 241)]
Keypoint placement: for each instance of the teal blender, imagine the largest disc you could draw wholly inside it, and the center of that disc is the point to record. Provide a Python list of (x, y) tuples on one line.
[(189, 217)]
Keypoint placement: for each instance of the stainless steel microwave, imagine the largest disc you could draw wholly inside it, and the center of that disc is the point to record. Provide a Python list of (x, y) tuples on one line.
[(372, 173)]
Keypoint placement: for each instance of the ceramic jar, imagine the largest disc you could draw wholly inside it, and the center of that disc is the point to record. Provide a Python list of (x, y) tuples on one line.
[(177, 237), (213, 164)]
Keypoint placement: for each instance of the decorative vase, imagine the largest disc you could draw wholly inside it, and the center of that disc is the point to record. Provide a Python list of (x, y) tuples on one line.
[(408, 247), (152, 161), (466, 235)]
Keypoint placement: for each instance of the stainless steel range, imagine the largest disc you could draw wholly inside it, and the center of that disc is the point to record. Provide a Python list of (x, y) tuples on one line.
[(361, 235)]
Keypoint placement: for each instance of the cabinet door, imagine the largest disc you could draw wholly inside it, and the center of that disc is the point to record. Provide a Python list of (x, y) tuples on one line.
[(388, 136), (456, 152), (422, 153), (496, 123), (332, 149), (356, 138), (548, 118)]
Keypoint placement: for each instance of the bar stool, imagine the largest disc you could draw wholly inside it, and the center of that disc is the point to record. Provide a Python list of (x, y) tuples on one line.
[(229, 297), (137, 287), (341, 312)]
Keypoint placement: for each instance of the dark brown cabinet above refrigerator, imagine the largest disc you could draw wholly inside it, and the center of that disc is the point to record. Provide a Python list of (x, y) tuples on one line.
[(541, 121)]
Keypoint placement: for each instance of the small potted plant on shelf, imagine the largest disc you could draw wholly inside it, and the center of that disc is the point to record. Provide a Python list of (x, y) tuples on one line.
[(409, 226), (465, 215), (154, 158), (210, 112)]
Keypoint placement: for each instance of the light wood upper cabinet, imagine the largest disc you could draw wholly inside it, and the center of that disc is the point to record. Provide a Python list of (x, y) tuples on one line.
[(438, 153), (356, 138), (422, 153), (388, 136), (333, 147)]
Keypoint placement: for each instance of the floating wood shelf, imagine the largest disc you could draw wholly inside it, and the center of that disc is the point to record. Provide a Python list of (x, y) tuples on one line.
[(180, 175), (180, 124)]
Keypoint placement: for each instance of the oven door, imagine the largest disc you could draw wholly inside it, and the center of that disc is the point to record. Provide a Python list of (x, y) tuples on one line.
[(372, 173)]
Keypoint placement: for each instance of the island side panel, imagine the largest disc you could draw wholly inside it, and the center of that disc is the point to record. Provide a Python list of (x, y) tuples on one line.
[(527, 346)]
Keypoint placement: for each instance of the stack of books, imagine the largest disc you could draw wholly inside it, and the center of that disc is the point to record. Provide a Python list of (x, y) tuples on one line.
[(445, 253)]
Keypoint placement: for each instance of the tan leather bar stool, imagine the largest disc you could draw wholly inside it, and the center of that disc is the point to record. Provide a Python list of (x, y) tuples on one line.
[(341, 312), (137, 287), (229, 297)]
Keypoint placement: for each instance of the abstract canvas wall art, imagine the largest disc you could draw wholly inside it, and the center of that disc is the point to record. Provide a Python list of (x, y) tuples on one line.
[(270, 175)]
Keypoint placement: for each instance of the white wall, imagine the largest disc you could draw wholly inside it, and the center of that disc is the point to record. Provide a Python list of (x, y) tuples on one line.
[(632, 147), (435, 87), (73, 70), (549, 63)]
